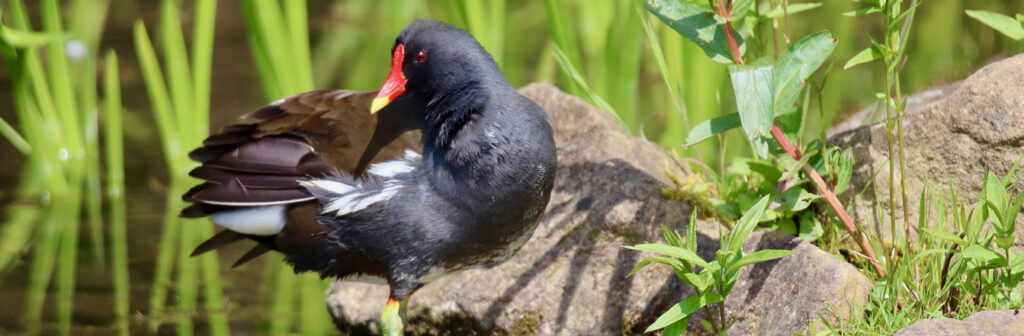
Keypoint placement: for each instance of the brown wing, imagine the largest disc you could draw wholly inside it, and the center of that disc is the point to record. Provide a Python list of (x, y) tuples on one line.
[(300, 137)]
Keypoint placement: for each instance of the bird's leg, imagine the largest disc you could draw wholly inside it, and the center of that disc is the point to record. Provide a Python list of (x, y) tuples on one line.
[(391, 318)]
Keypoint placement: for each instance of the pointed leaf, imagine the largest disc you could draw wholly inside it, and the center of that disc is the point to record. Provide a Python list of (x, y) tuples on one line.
[(759, 256), (863, 11), (697, 25), (945, 236), (995, 192), (867, 55), (744, 226), (683, 309), (699, 282), (754, 99), (680, 253), (740, 8), (711, 127), (1004, 24), (791, 9), (981, 254), (660, 260), (796, 64)]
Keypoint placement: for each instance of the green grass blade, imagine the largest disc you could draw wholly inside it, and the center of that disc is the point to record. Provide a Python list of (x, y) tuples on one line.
[(14, 138), (622, 69), (675, 124), (114, 141), (560, 26), (158, 96), (176, 66), (202, 65), (301, 67), (575, 75)]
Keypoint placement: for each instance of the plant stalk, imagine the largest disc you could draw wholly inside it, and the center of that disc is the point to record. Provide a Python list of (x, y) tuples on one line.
[(816, 179)]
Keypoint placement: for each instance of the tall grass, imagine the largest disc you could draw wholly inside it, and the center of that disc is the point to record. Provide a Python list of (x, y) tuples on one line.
[(114, 142), (181, 107), (55, 99), (280, 45)]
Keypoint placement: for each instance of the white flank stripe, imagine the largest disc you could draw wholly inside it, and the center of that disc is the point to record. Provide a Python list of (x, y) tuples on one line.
[(260, 221), (342, 198), (390, 168), (328, 185)]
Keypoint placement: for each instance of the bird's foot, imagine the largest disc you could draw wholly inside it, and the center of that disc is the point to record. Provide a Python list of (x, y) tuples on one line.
[(391, 318)]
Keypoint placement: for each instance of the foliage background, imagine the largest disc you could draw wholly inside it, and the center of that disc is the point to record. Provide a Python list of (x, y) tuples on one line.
[(351, 40)]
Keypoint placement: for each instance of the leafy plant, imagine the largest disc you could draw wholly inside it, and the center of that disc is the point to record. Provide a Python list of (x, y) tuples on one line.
[(712, 280), (896, 23), (765, 89), (955, 268)]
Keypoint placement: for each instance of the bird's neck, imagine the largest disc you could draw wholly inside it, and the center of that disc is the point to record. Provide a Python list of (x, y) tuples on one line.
[(449, 113)]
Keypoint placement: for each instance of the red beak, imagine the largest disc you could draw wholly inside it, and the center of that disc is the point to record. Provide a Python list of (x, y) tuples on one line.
[(394, 86)]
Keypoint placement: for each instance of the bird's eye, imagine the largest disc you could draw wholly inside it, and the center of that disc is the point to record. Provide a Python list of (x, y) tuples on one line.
[(421, 57)]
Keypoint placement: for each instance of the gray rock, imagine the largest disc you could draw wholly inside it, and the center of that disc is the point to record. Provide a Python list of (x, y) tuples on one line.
[(952, 141), (783, 296), (570, 278), (985, 323)]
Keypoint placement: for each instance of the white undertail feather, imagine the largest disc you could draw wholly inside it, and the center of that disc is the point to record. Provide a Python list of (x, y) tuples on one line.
[(389, 169), (259, 221), (341, 195)]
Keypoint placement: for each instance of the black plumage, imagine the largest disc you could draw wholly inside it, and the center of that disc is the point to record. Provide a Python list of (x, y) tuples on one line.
[(473, 197)]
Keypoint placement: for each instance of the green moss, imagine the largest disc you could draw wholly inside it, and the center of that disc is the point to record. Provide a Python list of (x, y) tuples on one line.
[(528, 324), (693, 191)]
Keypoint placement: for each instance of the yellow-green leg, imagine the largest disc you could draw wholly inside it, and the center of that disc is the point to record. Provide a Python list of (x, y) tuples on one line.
[(392, 317)]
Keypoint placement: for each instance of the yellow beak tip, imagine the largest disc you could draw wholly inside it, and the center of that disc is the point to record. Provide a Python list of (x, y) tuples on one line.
[(378, 104)]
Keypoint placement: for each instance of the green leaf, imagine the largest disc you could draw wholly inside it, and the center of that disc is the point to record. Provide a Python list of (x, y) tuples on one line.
[(697, 25), (699, 282), (683, 309), (754, 99), (740, 8), (1004, 242), (810, 226), (660, 260), (995, 192), (1004, 24), (769, 171), (711, 127), (676, 329), (867, 55), (796, 64), (691, 233), (794, 199), (778, 12), (945, 236), (759, 256), (744, 226), (680, 253), (863, 11), (981, 254)]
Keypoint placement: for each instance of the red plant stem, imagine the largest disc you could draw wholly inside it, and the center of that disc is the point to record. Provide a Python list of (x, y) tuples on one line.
[(725, 11), (816, 179), (831, 198)]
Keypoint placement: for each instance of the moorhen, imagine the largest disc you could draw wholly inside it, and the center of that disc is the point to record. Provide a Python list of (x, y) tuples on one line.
[(454, 171)]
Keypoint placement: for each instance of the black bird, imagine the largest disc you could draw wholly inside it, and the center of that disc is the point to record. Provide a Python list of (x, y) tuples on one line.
[(454, 172)]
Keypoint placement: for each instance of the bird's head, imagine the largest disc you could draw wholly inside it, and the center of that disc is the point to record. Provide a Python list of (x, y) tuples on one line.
[(431, 58)]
